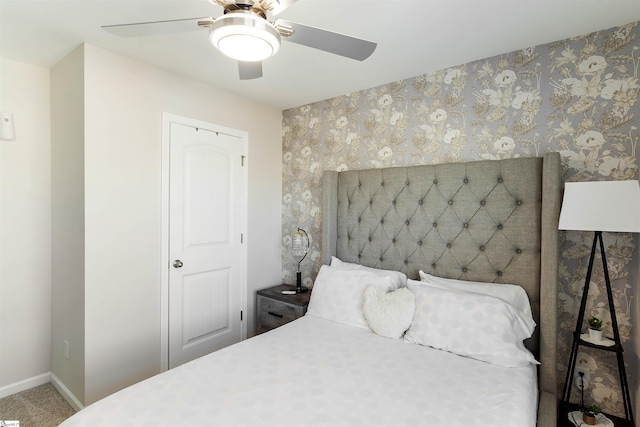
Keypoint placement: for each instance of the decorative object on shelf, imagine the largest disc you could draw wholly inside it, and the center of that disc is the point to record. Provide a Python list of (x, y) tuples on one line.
[(7, 128), (595, 329), (612, 206), (300, 248), (600, 420), (590, 413)]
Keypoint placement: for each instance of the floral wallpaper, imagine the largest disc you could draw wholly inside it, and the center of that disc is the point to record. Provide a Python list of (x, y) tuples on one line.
[(577, 96)]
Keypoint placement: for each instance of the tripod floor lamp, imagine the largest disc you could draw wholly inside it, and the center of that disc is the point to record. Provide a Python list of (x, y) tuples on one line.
[(612, 206)]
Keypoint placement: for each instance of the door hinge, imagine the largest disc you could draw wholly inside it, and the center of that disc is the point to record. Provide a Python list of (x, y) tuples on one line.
[(241, 238), (242, 160), (241, 315)]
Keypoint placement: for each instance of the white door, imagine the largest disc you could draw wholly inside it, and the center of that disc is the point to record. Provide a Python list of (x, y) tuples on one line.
[(206, 204)]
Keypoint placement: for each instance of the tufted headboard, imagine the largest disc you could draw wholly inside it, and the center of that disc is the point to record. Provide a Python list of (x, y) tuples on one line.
[(490, 221)]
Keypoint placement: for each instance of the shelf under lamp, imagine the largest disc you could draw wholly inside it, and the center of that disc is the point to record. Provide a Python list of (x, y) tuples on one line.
[(244, 36)]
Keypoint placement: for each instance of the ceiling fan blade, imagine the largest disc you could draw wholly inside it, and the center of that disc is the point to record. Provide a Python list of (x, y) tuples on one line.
[(156, 27), (250, 70), (328, 41)]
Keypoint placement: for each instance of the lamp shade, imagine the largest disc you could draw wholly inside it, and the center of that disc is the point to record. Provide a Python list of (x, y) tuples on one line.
[(601, 206), (298, 245)]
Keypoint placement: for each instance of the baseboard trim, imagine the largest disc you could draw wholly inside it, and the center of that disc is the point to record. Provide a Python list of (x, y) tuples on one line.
[(23, 385), (66, 393)]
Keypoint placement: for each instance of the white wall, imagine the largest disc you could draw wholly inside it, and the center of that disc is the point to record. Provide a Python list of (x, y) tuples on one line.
[(25, 230), (124, 101), (67, 225), (118, 122)]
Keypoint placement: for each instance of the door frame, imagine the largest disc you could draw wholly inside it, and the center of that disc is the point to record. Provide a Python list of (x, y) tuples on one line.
[(167, 119)]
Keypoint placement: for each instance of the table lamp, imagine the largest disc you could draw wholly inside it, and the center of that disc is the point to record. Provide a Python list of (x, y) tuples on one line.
[(300, 248)]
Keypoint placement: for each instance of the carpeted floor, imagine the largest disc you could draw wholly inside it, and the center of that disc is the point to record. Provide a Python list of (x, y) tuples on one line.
[(40, 406)]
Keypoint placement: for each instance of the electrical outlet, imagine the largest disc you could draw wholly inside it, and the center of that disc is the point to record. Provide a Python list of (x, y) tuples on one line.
[(584, 370), (66, 349)]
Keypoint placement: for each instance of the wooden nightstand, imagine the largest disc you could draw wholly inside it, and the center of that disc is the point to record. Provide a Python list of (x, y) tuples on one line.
[(275, 309)]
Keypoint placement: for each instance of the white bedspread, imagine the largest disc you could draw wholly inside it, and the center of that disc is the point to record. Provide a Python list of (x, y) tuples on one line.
[(313, 372)]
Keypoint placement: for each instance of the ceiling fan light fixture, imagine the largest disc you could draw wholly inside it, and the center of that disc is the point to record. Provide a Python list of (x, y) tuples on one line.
[(244, 36)]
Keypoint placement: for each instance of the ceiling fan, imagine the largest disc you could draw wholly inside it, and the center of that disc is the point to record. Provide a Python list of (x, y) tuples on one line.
[(244, 33)]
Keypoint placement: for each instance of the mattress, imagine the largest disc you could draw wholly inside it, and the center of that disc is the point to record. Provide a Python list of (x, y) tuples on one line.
[(314, 372)]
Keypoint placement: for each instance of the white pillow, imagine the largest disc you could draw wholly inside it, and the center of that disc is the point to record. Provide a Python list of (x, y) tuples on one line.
[(513, 294), (398, 278), (338, 294), (473, 325), (389, 314)]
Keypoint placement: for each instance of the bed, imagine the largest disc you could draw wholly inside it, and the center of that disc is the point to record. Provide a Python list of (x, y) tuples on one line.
[(449, 242)]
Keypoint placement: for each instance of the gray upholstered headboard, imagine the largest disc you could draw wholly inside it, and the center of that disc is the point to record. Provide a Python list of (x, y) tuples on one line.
[(491, 221)]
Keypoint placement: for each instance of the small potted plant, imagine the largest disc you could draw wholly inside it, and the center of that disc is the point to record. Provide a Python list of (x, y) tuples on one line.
[(595, 328), (590, 414)]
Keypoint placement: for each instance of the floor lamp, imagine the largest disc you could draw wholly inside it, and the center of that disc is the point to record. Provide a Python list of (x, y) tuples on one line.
[(612, 206)]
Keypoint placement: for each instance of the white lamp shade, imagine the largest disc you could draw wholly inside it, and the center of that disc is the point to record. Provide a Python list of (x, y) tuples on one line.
[(601, 206), (7, 128)]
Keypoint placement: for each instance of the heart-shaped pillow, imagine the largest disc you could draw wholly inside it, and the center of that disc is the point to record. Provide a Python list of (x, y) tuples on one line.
[(389, 314)]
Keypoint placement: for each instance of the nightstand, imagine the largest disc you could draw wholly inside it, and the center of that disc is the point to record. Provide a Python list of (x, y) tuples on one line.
[(275, 308)]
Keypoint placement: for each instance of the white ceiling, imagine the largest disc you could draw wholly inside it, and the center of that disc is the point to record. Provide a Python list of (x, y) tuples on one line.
[(413, 36)]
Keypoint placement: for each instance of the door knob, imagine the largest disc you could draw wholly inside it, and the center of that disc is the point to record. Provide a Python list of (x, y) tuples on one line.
[(177, 263)]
